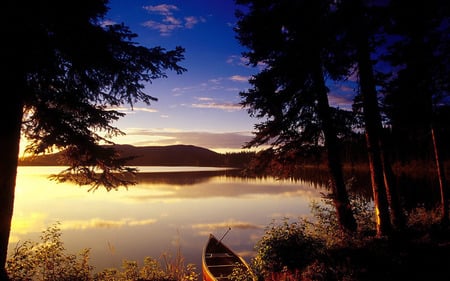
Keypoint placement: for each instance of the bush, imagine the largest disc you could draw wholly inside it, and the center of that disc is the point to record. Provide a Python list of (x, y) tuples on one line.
[(300, 250), (285, 248), (48, 261)]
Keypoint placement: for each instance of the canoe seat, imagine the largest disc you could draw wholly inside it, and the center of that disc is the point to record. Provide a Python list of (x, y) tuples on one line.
[(222, 265), (217, 255)]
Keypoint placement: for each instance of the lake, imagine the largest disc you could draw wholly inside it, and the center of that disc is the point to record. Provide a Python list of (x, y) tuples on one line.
[(170, 209), (176, 208)]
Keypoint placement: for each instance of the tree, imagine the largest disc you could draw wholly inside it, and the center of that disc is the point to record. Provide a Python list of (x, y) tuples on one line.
[(362, 23), (291, 39), (420, 54), (63, 75)]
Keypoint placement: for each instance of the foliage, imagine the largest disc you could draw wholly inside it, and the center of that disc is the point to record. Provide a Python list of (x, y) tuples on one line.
[(48, 261), (290, 95), (298, 250), (165, 269), (65, 76), (285, 247), (419, 252), (79, 73), (240, 273), (325, 226)]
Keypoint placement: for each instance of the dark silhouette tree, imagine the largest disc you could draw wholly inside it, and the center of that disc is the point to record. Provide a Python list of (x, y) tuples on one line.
[(419, 84), (362, 27), (63, 75), (292, 40), (372, 117)]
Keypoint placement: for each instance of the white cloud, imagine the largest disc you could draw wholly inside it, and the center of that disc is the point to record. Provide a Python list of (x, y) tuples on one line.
[(239, 78), (164, 29), (225, 141), (172, 21), (129, 110), (204, 99), (108, 22), (101, 223), (191, 21), (169, 21), (222, 106), (145, 109), (234, 224), (163, 9), (237, 60)]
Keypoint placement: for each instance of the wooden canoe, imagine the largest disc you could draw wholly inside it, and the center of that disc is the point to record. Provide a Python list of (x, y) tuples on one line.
[(218, 261)]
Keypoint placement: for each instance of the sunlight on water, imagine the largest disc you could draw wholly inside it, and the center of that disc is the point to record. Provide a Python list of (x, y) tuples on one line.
[(164, 211)]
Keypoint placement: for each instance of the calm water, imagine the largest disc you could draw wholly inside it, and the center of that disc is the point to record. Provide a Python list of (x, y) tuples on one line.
[(171, 208)]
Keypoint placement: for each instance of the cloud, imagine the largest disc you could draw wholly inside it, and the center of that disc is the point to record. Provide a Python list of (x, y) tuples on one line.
[(108, 22), (239, 78), (129, 110), (163, 9), (234, 224), (210, 103), (163, 28), (23, 224), (191, 21), (341, 101), (101, 223), (342, 95), (242, 61), (168, 21), (145, 109), (230, 107), (237, 60), (226, 141)]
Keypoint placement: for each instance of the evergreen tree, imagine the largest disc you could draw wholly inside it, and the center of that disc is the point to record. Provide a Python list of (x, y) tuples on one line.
[(419, 85), (63, 73), (292, 41)]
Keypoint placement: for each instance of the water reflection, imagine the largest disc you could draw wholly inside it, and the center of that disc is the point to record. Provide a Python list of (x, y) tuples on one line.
[(165, 210)]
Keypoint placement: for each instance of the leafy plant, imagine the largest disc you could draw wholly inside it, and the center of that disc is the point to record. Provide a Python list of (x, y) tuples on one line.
[(285, 248), (48, 261), (240, 273), (324, 225)]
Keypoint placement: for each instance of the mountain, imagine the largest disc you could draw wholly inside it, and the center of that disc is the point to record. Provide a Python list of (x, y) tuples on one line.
[(173, 155)]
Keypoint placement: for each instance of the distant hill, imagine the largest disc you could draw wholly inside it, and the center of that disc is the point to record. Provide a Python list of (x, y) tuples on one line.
[(173, 155)]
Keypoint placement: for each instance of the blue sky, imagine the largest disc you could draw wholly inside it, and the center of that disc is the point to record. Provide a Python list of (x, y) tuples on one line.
[(201, 106)]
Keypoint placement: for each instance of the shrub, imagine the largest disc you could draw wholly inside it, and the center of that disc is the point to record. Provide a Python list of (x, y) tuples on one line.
[(285, 248), (48, 261)]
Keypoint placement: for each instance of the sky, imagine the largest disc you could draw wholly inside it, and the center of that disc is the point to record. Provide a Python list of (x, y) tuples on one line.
[(201, 106)]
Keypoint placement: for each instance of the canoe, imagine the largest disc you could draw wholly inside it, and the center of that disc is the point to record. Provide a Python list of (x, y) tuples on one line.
[(218, 261)]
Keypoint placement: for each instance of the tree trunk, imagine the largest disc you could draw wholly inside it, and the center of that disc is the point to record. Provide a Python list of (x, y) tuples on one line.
[(397, 216), (10, 125), (341, 201), (441, 177), (372, 121)]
